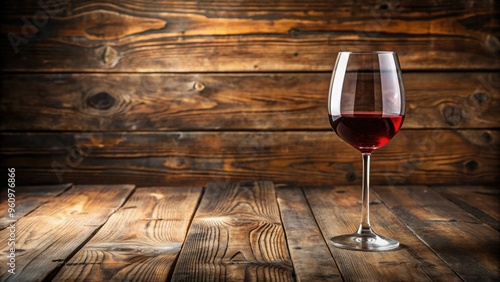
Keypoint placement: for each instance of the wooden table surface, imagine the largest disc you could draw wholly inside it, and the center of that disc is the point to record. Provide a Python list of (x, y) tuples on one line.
[(246, 231)]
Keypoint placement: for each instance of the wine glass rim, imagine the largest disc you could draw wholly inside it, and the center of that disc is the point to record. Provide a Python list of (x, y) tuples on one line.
[(368, 52)]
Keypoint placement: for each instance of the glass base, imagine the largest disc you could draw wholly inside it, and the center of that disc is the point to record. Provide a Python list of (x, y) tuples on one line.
[(364, 242)]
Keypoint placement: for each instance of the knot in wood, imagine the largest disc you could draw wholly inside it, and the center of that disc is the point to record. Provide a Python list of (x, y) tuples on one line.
[(486, 138), (350, 176), (101, 101), (109, 56), (480, 97), (492, 43), (198, 86), (294, 32), (453, 115), (471, 166), (384, 6)]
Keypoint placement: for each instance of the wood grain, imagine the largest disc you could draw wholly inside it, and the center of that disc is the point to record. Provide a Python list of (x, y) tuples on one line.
[(277, 101), (236, 235), (140, 242), (218, 73), (480, 201), (27, 199), (47, 237), (215, 36), (242, 231), (311, 258), (338, 211), (457, 237), (312, 158)]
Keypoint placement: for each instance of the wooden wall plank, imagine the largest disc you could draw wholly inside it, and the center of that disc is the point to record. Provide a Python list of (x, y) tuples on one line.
[(236, 235), (481, 201), (140, 242), (177, 36), (168, 61), (338, 211), (278, 101), (436, 220), (27, 199), (49, 235), (316, 158), (311, 257), (252, 9)]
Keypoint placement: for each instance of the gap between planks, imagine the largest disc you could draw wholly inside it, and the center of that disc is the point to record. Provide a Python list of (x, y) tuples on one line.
[(140, 241)]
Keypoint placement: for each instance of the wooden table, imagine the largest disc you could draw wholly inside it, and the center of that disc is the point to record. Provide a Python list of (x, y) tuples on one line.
[(247, 231)]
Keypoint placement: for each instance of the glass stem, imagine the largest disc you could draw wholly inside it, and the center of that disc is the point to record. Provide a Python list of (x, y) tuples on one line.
[(364, 227)]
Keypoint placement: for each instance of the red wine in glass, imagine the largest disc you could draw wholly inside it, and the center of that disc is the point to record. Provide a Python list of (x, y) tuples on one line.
[(366, 106), (366, 131)]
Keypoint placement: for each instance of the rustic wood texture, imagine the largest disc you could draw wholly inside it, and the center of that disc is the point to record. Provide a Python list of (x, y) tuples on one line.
[(220, 70), (187, 36), (338, 211), (309, 252), (50, 235), (277, 101), (244, 231), (140, 242), (321, 158), (236, 235), (456, 236), (482, 202), (28, 198)]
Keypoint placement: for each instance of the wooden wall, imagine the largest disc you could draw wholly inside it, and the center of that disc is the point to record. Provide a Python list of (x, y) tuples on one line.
[(156, 92)]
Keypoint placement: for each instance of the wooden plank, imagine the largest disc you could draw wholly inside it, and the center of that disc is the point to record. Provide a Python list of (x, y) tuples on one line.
[(311, 258), (470, 247), (212, 36), (52, 233), (27, 199), (338, 211), (304, 157), (481, 201), (236, 235), (278, 101), (217, 9), (140, 242)]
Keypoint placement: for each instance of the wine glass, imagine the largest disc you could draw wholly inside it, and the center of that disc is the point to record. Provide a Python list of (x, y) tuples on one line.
[(366, 105)]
